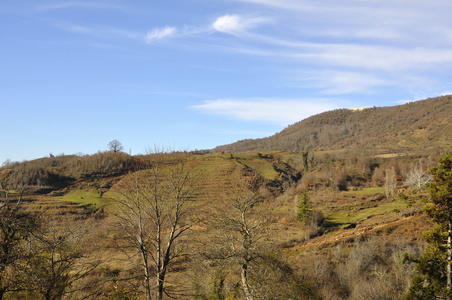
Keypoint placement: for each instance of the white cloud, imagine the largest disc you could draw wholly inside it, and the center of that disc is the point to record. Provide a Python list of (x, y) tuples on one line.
[(350, 55), (377, 57), (276, 111), (341, 82), (406, 22), (227, 23), (235, 24), (351, 11), (160, 33), (285, 4), (79, 5), (357, 32), (99, 31)]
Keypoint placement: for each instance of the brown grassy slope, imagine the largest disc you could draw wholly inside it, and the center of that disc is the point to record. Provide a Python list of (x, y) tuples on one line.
[(425, 123), (373, 215)]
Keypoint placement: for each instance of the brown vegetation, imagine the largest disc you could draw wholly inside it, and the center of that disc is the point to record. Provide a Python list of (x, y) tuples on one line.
[(243, 240), (332, 224), (426, 123)]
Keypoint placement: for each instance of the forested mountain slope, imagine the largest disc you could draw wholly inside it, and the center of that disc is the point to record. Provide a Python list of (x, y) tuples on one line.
[(426, 123)]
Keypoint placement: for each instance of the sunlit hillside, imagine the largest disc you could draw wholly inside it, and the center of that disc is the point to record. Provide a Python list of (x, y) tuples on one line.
[(426, 123), (339, 214)]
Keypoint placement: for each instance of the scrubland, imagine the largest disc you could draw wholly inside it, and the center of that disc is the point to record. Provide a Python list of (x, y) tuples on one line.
[(273, 225)]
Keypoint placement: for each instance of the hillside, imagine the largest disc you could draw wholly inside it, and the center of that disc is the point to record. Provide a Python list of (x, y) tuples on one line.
[(363, 212), (426, 123), (352, 220)]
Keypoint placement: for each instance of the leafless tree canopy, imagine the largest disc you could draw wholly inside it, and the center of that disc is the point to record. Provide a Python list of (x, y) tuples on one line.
[(418, 177), (115, 146), (152, 214)]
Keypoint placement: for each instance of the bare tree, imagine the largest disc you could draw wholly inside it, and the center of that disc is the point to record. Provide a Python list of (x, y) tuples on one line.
[(241, 230), (115, 146), (58, 258), (418, 177), (152, 215), (15, 226), (37, 257), (8, 163), (390, 183)]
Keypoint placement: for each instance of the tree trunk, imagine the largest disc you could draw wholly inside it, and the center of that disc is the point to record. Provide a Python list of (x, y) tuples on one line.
[(147, 277), (244, 277), (449, 259), (160, 282)]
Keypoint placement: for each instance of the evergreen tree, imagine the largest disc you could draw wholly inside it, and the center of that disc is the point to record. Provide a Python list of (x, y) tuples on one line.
[(434, 266), (304, 210), (305, 160)]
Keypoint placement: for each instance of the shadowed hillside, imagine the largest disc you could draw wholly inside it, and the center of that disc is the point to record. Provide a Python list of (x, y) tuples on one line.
[(426, 123)]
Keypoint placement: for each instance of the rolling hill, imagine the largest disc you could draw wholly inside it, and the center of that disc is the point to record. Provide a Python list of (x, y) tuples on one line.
[(426, 123), (364, 212)]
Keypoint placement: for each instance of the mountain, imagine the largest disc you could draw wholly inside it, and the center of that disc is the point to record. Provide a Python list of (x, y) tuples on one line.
[(425, 123)]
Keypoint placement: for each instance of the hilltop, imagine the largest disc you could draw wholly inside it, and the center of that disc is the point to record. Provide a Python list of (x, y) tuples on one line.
[(356, 174), (425, 123)]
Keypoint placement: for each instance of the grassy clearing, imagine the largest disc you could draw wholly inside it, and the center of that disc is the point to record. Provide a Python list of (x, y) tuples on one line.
[(264, 169), (89, 199), (372, 190), (360, 215), (244, 160)]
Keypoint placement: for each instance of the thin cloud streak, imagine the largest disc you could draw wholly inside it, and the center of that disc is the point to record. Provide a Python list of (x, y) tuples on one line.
[(379, 56), (357, 11), (276, 111), (401, 22), (99, 31), (236, 25), (160, 33), (332, 82), (340, 49), (375, 57), (77, 4)]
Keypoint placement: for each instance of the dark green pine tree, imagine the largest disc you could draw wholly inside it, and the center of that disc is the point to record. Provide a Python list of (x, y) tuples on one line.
[(305, 160), (304, 207), (433, 278)]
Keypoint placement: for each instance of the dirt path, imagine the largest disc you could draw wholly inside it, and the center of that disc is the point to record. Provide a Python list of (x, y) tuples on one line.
[(344, 234)]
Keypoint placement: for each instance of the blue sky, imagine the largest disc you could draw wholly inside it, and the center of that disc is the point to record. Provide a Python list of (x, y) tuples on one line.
[(192, 74)]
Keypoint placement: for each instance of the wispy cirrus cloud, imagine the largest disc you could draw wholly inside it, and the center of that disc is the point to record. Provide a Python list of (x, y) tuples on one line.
[(286, 4), (236, 24), (356, 47), (350, 55), (353, 11), (79, 5), (333, 82), (397, 21), (98, 31), (379, 57), (160, 33), (231, 24), (268, 110), (110, 32)]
